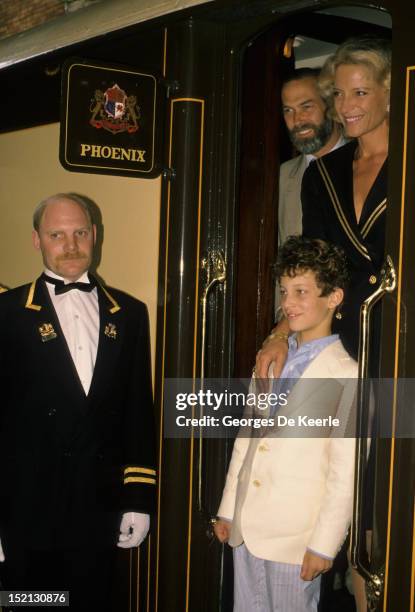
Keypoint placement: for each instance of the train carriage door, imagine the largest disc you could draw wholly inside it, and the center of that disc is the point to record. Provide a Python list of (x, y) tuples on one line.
[(225, 144), (201, 232), (390, 571), (392, 567)]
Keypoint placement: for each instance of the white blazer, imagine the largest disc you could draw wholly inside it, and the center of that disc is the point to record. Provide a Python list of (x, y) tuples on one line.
[(285, 493)]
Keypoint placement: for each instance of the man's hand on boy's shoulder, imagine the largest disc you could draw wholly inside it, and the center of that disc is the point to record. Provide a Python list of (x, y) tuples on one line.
[(274, 349), (222, 530), (314, 565)]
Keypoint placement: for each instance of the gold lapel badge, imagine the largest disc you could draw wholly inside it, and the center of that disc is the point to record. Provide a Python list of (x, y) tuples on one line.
[(47, 332), (111, 331)]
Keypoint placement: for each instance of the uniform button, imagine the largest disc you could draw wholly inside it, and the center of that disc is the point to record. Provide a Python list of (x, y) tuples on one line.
[(256, 483), (52, 412), (76, 316), (262, 448), (372, 279), (80, 348)]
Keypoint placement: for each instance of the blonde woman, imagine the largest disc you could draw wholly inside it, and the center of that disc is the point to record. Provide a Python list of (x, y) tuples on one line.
[(344, 194)]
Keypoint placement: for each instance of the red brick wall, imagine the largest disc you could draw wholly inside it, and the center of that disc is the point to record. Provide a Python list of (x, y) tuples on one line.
[(20, 15)]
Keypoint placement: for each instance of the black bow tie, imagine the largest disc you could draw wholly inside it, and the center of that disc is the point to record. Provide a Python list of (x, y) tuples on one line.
[(61, 287)]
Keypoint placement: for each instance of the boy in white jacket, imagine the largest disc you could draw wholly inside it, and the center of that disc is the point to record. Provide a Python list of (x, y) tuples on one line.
[(287, 501)]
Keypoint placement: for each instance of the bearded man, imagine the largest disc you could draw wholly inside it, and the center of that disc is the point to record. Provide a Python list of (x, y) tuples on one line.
[(312, 133)]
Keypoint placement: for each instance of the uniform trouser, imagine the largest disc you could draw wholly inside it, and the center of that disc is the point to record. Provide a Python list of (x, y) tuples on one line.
[(267, 586), (85, 573)]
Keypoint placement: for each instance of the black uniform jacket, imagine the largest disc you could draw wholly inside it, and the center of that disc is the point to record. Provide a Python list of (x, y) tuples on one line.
[(71, 464), (328, 213)]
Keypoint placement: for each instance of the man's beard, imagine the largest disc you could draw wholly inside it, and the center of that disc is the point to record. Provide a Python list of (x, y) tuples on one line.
[(313, 144)]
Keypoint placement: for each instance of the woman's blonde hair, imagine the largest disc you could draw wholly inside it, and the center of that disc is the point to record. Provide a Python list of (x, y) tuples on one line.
[(374, 53)]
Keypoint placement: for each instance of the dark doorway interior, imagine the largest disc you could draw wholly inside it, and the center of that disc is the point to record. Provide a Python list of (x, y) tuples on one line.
[(264, 145)]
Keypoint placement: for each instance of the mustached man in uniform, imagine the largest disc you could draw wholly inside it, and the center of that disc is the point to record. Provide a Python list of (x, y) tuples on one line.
[(77, 453)]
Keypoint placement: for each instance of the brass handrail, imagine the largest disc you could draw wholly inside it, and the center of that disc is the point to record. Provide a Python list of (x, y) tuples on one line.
[(214, 266), (359, 556)]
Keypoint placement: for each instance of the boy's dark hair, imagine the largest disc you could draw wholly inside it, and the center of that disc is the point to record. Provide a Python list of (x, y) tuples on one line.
[(298, 255)]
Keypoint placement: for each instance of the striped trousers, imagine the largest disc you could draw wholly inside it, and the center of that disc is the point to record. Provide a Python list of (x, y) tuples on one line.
[(267, 586)]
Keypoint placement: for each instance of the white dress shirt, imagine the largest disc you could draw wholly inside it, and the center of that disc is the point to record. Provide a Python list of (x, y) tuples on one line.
[(78, 314)]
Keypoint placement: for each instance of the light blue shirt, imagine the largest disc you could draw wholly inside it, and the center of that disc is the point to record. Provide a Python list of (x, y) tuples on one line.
[(299, 357)]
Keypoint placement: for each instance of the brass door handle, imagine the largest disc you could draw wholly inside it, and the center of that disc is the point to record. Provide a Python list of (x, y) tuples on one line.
[(215, 269), (359, 555), (214, 266)]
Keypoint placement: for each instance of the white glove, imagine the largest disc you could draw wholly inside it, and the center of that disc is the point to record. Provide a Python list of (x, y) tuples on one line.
[(133, 529), (2, 557)]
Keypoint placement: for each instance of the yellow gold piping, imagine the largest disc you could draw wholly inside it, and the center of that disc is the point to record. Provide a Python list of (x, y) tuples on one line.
[(130, 582), (137, 599), (412, 597), (340, 214), (140, 470), (115, 306), (202, 102), (373, 218), (397, 339), (29, 302), (139, 479), (189, 541), (162, 364), (148, 570)]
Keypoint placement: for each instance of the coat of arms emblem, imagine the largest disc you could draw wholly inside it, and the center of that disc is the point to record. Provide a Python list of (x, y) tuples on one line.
[(111, 331), (114, 111), (47, 332)]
